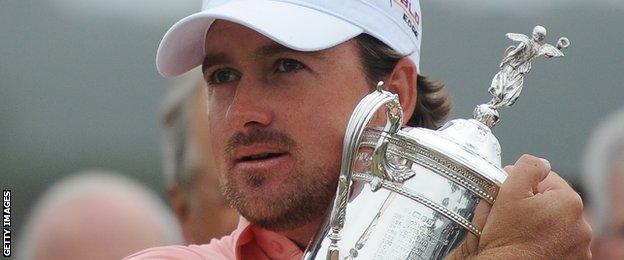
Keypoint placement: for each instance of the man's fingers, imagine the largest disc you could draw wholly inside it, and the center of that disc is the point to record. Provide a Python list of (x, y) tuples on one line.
[(552, 182), (524, 177), (480, 218), (470, 246)]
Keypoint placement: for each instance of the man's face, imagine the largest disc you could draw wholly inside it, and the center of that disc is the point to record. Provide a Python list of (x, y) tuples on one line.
[(278, 119)]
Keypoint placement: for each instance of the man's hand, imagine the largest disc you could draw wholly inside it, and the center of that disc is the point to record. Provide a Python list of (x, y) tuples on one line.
[(537, 215)]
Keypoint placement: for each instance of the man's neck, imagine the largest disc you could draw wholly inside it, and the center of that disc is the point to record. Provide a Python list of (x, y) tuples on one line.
[(302, 235)]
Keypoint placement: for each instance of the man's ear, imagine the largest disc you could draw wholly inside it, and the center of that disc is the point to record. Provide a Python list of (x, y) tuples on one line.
[(598, 248), (403, 82), (180, 208)]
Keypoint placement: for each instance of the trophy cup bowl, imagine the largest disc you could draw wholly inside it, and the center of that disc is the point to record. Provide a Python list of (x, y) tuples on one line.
[(411, 193)]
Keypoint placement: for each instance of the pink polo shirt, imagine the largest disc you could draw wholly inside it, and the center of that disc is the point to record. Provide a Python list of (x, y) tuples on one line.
[(246, 242)]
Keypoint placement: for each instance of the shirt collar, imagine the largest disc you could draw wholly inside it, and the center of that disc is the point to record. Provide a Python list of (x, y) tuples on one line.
[(273, 245)]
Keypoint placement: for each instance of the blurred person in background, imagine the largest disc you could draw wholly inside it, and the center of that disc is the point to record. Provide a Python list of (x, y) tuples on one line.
[(96, 215), (192, 182), (603, 176)]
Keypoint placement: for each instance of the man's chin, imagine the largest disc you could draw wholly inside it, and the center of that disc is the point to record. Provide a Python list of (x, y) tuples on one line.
[(275, 220), (286, 213), (273, 224), (282, 204)]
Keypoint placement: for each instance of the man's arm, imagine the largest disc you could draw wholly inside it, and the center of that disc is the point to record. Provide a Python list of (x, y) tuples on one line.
[(537, 215)]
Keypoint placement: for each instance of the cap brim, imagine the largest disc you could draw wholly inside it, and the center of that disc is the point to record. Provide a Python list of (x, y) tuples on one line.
[(296, 27)]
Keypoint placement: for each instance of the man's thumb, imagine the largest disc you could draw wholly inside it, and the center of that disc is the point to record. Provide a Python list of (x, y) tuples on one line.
[(524, 176)]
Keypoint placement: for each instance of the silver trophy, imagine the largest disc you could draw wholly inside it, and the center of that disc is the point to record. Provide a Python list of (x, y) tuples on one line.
[(411, 193)]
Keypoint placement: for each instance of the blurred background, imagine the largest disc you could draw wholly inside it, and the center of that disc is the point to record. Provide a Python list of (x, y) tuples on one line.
[(79, 88)]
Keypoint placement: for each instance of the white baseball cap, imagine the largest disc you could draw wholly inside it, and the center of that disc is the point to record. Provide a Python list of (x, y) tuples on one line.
[(303, 25)]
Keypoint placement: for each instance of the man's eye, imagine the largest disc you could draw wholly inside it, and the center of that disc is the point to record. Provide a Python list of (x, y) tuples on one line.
[(223, 75), (289, 65)]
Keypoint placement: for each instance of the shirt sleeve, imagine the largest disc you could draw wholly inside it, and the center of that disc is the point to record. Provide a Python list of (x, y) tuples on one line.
[(167, 253), (212, 251), (218, 249)]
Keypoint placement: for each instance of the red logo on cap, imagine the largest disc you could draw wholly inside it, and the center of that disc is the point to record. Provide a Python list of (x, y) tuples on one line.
[(407, 5), (411, 18)]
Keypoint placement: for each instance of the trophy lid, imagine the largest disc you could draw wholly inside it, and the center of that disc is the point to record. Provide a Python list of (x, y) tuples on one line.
[(470, 142), (467, 142)]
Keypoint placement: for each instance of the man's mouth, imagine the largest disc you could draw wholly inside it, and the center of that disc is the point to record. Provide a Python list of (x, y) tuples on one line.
[(260, 156), (264, 167)]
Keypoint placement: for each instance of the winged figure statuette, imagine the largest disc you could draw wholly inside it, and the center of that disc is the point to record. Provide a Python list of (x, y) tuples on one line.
[(507, 83)]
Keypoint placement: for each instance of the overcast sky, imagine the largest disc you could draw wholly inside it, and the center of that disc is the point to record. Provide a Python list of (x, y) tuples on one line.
[(534, 5), (158, 11)]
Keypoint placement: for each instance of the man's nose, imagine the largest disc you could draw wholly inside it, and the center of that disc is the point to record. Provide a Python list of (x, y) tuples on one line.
[(249, 105)]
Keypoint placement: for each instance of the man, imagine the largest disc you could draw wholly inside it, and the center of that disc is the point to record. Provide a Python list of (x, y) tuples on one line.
[(96, 215), (603, 176), (283, 78), (192, 183)]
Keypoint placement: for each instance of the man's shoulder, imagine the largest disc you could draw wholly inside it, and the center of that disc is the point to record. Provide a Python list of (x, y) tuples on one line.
[(223, 248)]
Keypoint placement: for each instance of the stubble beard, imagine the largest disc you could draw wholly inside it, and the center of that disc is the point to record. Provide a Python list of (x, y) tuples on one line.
[(304, 196), (302, 201)]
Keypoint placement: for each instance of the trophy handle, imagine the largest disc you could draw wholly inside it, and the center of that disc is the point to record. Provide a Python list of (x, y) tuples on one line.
[(362, 115)]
